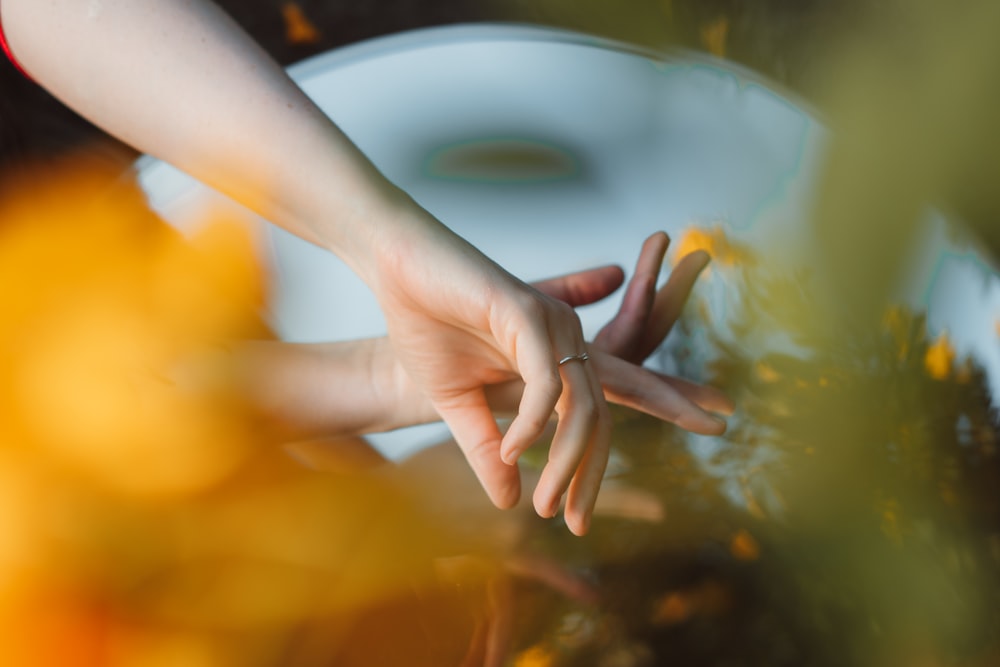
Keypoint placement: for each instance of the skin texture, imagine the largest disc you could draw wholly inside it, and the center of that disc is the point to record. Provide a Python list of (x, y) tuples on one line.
[(178, 79)]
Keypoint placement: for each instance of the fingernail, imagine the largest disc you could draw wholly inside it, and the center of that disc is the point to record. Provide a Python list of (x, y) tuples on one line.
[(510, 457), (550, 509), (549, 512)]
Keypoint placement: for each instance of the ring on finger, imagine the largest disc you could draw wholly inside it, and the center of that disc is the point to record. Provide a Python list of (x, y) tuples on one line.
[(574, 357)]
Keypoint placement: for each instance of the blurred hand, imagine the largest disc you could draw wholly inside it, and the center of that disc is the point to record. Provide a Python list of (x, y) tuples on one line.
[(491, 551)]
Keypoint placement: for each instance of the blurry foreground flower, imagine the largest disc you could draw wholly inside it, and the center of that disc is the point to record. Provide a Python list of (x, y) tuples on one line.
[(145, 519), (106, 314)]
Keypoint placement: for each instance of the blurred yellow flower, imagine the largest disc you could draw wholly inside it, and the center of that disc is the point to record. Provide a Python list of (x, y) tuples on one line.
[(766, 372), (142, 520), (674, 607), (715, 242), (714, 35), (298, 28), (939, 358), (104, 305), (743, 546), (706, 598), (536, 656), (890, 512)]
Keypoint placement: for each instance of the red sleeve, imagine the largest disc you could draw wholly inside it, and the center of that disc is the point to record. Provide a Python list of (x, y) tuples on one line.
[(7, 51)]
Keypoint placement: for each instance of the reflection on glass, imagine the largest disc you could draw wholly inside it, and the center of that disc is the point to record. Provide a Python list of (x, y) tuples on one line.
[(502, 161), (848, 516)]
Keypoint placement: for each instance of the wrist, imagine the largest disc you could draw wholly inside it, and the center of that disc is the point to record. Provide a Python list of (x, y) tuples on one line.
[(401, 403), (360, 221), (329, 389)]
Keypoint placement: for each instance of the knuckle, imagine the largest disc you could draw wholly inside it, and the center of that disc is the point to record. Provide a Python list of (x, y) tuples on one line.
[(551, 384), (566, 313), (482, 451), (535, 424), (588, 412), (585, 404), (533, 308), (530, 426)]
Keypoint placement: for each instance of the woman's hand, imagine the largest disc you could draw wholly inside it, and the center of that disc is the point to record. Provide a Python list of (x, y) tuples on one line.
[(646, 317), (458, 324), (385, 396)]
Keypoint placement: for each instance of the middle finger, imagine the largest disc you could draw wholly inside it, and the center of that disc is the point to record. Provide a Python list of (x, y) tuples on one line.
[(578, 452)]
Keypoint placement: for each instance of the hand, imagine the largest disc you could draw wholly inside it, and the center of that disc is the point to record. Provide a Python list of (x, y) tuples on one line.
[(458, 324), (384, 388), (644, 320)]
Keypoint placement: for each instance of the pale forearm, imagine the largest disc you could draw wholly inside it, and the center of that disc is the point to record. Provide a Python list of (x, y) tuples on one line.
[(181, 81), (328, 389)]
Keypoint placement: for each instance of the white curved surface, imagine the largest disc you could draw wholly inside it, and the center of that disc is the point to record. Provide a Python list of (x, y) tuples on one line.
[(633, 144)]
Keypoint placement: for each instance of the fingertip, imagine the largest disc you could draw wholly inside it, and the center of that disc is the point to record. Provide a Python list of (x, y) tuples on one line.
[(720, 424), (703, 423), (545, 505), (580, 509), (506, 497), (520, 435), (617, 272), (699, 258), (696, 420), (726, 407), (510, 456), (578, 525), (659, 235)]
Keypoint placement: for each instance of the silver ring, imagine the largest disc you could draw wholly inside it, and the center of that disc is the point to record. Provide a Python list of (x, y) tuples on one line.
[(574, 357)]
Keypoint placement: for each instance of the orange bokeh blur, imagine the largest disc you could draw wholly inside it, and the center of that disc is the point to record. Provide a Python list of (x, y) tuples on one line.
[(145, 517)]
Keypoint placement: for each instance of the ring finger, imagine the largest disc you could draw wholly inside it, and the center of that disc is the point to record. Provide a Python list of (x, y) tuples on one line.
[(578, 453)]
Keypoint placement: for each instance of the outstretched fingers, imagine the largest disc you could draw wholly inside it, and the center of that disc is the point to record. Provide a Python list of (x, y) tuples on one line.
[(583, 287), (670, 300), (647, 315), (623, 334), (547, 350), (657, 395), (705, 397)]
